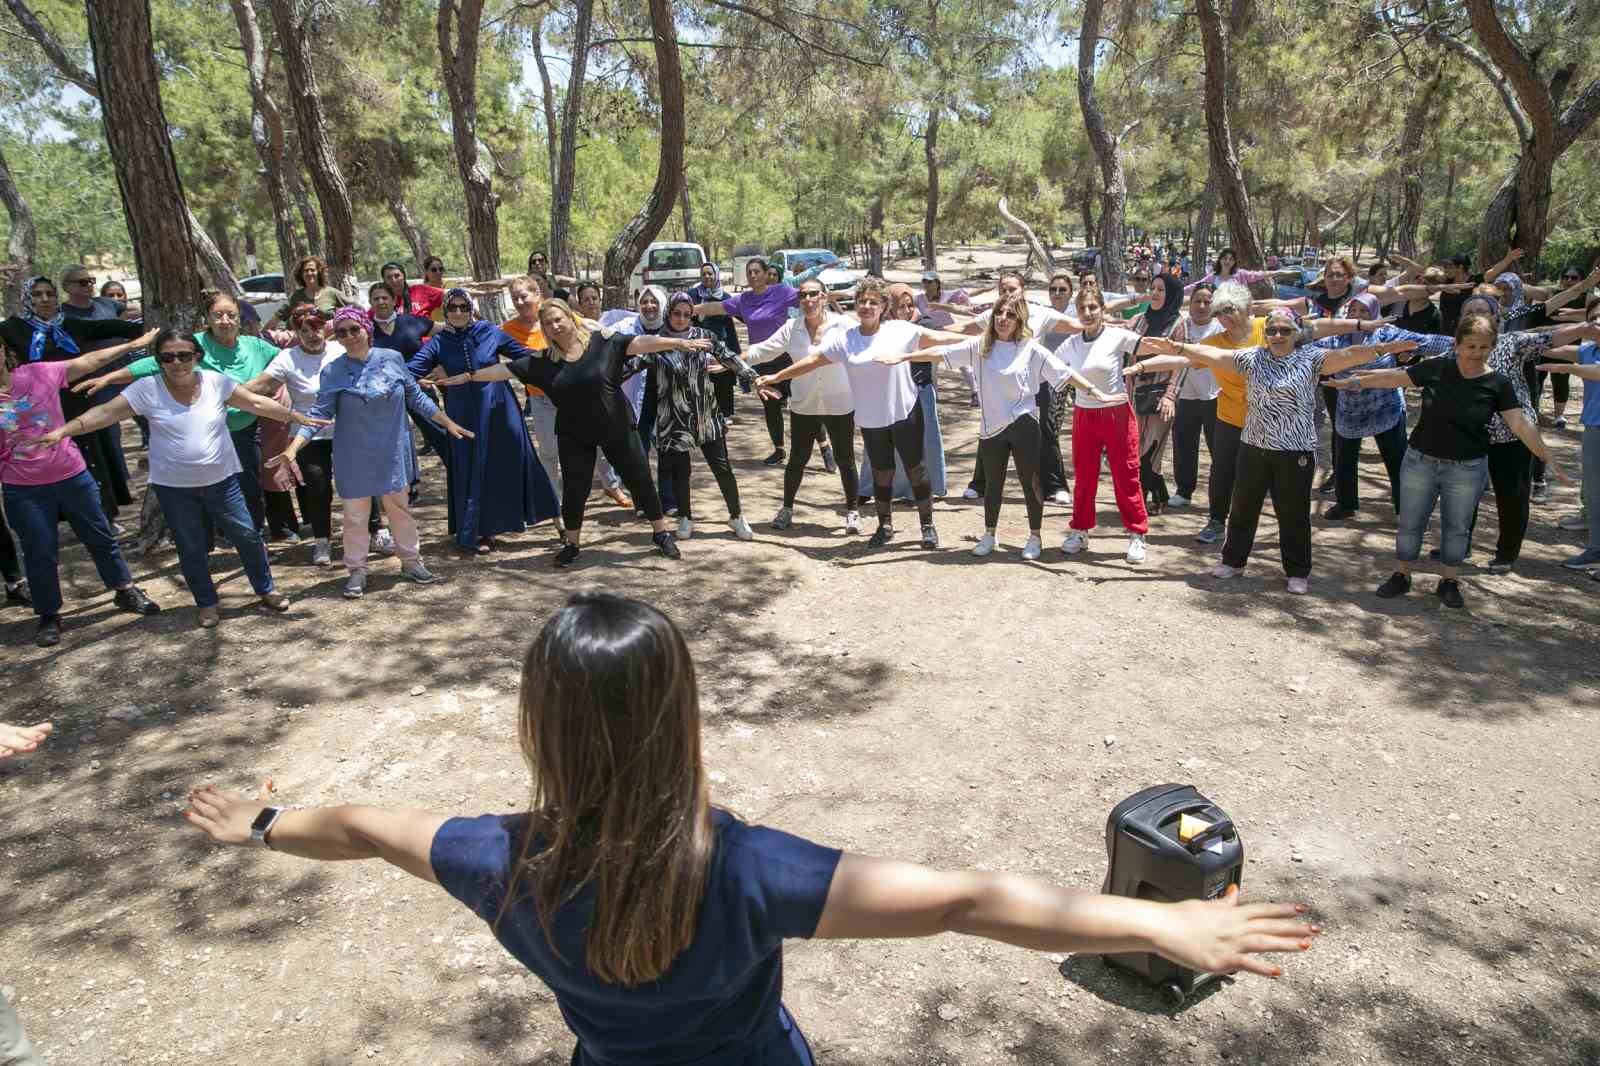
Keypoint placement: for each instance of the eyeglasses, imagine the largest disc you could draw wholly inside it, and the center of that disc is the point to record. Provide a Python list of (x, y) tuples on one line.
[(1060, 292), (458, 308), (348, 331), (79, 281), (1009, 316), (175, 357), (1571, 277), (1281, 331), (308, 325), (225, 316), (810, 294)]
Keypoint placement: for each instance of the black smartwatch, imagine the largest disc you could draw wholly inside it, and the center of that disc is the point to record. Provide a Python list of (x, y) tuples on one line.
[(263, 824)]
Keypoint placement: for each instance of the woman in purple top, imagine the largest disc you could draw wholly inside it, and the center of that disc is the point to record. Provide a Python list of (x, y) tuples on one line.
[(764, 308), (658, 919)]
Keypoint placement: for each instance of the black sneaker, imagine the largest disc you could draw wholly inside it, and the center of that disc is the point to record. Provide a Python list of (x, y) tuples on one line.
[(1326, 487), (49, 634), (566, 556), (1540, 490), (776, 458), (1338, 514), (666, 545), (930, 536), (131, 599), (1398, 585), (1500, 565), (1450, 593), (881, 536), (18, 594)]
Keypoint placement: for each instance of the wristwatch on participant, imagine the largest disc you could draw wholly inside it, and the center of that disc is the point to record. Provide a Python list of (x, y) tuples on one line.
[(263, 824)]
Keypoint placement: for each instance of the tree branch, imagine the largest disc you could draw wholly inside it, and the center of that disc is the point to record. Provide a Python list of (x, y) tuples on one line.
[(1519, 118), (58, 55), (1514, 66), (781, 27)]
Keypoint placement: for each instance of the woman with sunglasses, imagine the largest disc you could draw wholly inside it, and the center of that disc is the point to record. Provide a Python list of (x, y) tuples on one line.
[(582, 372), (365, 391), (1278, 445), (427, 296), (887, 405), (820, 402), (42, 486), (496, 482), (194, 467), (655, 915)]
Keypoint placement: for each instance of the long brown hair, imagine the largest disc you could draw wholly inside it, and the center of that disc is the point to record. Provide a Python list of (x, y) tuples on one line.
[(991, 332), (610, 728)]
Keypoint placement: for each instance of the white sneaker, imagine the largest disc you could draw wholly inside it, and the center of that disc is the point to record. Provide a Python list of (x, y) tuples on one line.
[(1136, 548), (1177, 501), (1222, 571), (1075, 542), (1574, 523), (852, 523), (415, 571), (383, 543), (1299, 586), (741, 528), (1063, 498), (321, 552), (985, 545), (356, 585), (783, 519), (685, 529), (970, 493), (1032, 549)]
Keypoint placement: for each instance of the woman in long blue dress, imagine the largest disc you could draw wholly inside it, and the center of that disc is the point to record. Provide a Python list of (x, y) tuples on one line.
[(497, 484)]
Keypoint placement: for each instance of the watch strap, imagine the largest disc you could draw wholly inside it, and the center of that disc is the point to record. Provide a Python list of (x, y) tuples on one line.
[(263, 824)]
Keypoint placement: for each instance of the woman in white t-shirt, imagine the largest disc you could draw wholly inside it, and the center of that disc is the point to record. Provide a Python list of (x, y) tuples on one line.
[(1103, 425), (887, 410), (194, 468), (820, 402), (1194, 405), (1007, 365)]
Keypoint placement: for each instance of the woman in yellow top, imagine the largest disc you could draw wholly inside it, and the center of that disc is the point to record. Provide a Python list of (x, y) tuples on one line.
[(525, 329), (1231, 306)]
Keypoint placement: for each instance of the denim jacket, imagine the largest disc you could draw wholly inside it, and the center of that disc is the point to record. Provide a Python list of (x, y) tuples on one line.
[(1368, 412)]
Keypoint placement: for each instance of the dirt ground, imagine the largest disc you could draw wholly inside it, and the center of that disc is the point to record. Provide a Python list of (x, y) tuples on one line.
[(1425, 778)]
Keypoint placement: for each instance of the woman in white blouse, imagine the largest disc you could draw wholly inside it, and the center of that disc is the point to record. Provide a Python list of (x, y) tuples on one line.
[(1007, 365)]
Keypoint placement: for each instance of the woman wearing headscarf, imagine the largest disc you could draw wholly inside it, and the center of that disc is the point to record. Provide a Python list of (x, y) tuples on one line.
[(54, 337), (687, 415), (1155, 396), (721, 327), (496, 482)]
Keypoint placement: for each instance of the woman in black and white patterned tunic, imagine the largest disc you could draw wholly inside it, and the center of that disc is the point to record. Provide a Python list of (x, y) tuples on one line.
[(1277, 451), (688, 415)]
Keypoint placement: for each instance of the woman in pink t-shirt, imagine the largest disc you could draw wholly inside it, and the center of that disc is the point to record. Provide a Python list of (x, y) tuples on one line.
[(43, 485)]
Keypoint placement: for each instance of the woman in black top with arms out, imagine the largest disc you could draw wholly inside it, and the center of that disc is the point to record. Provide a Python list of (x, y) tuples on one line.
[(583, 374)]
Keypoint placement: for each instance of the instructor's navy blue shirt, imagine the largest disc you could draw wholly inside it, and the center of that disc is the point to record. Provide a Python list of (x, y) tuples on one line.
[(719, 1000)]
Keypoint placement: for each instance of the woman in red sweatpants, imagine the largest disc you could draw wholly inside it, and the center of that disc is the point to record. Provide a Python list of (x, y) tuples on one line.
[(1103, 423)]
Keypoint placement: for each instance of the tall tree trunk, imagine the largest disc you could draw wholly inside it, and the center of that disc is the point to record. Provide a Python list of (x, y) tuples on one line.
[(1203, 224), (217, 230), (1086, 212), (930, 209), (1219, 132), (1441, 232), (266, 133), (566, 161), (687, 211), (547, 101), (874, 236), (643, 227), (460, 25), (1410, 163), (1107, 148), (333, 195), (129, 88), (1277, 216), (302, 203), (22, 246), (409, 227), (1357, 231)]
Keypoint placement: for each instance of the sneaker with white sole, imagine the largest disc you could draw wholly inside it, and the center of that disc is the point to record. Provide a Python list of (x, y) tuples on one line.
[(415, 571), (969, 493), (1177, 501), (1136, 549), (1032, 549), (985, 545), (741, 528), (321, 552), (1075, 542), (852, 523), (1211, 532), (1588, 559), (383, 543), (1574, 523), (1299, 586), (1064, 498), (930, 536), (356, 585), (784, 518), (685, 528), (1223, 572)]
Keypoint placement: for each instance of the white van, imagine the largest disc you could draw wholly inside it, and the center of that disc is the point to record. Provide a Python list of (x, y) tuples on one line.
[(674, 265)]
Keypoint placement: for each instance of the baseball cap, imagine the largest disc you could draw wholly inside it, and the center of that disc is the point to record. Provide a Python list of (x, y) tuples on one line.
[(930, 275)]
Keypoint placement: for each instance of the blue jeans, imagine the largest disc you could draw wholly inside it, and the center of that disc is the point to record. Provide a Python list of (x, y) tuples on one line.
[(223, 503), (1455, 485), (35, 511), (1591, 479)]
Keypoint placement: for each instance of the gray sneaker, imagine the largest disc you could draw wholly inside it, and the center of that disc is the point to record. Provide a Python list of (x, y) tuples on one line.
[(1211, 532), (1588, 559), (415, 571), (783, 519), (356, 586)]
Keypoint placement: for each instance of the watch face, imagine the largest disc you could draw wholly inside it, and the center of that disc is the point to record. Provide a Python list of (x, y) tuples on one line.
[(263, 819)]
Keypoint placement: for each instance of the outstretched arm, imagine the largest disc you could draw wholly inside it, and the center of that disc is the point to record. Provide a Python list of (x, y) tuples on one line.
[(1343, 359), (89, 362), (1588, 371), (266, 407), (1528, 434), (815, 361), (106, 414)]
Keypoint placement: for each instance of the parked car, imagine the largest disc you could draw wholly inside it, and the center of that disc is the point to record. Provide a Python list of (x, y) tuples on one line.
[(674, 265), (1083, 259), (265, 292), (839, 279)]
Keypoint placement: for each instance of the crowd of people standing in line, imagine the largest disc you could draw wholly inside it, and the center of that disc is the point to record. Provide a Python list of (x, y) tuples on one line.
[(245, 420)]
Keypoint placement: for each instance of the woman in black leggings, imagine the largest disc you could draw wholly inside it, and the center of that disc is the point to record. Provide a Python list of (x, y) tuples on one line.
[(582, 373)]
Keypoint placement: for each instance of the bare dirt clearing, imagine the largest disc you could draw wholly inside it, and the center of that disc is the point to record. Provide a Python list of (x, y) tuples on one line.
[(1426, 778)]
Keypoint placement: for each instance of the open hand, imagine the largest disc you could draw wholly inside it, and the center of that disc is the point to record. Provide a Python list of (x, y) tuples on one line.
[(1161, 345), (1560, 475), (223, 816), (458, 431), (84, 386), (1224, 935), (21, 739), (698, 344), (283, 458), (1395, 347), (1104, 397), (453, 379), (306, 420), (1167, 409)]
